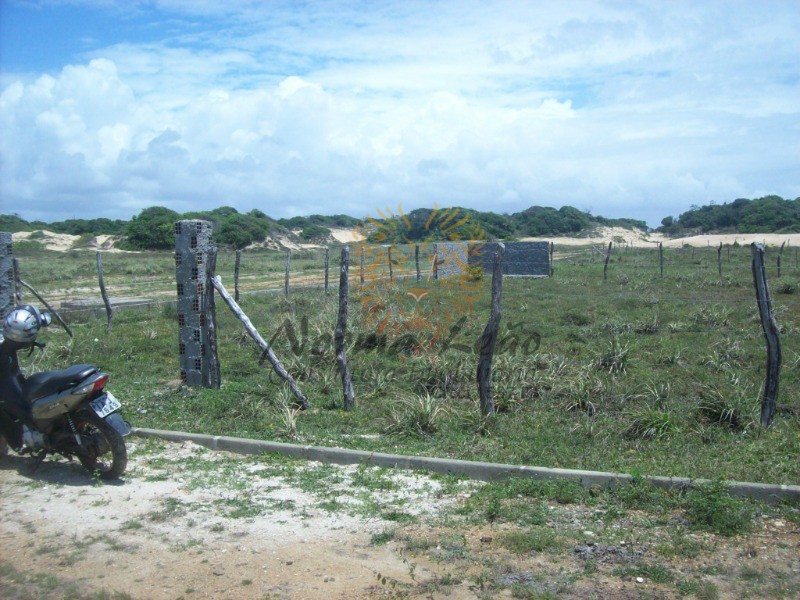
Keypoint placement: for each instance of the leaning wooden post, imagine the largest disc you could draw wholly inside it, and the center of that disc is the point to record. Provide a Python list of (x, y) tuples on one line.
[(194, 256), (109, 312), (490, 333), (719, 259), (416, 259), (236, 275), (661, 258), (605, 266), (327, 266), (780, 254), (552, 250), (436, 261), (769, 396), (341, 331), (17, 285), (302, 401), (389, 256), (286, 279), (53, 312), (7, 281)]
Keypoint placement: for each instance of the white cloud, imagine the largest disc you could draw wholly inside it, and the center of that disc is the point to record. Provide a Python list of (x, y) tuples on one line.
[(637, 110)]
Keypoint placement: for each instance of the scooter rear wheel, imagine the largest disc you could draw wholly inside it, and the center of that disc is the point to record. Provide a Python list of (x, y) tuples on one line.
[(102, 450), (3, 447)]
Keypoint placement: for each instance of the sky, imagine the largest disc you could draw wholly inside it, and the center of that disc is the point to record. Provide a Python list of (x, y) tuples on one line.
[(635, 109)]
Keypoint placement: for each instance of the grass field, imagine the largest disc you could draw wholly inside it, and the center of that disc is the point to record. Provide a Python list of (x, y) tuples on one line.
[(638, 373)]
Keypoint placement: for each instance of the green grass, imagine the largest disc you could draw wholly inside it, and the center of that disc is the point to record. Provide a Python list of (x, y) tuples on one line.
[(45, 586), (635, 374), (537, 539), (711, 508)]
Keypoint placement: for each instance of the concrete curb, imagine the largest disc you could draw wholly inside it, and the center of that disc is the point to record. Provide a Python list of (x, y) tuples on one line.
[(481, 471)]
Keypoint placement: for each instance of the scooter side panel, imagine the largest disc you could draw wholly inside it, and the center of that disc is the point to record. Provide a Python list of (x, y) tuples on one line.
[(55, 405)]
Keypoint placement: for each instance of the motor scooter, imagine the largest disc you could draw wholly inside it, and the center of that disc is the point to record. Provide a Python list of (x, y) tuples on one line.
[(68, 411)]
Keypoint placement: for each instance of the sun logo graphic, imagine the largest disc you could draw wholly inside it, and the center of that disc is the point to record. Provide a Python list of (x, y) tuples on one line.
[(415, 275)]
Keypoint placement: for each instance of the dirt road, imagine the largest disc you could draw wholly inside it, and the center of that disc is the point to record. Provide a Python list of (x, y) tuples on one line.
[(186, 522)]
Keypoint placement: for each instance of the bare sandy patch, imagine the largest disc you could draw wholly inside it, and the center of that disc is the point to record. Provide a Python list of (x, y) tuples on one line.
[(640, 238), (62, 242), (188, 521), (346, 236)]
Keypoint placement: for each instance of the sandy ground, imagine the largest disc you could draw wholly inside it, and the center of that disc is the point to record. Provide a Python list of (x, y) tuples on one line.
[(63, 241), (618, 235), (170, 530), (166, 531), (642, 239)]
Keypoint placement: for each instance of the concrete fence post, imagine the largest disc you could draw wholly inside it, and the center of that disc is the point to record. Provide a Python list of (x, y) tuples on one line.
[(197, 346)]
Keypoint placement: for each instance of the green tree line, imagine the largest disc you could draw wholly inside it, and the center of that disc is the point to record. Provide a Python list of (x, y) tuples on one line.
[(770, 214), (152, 228), (466, 224)]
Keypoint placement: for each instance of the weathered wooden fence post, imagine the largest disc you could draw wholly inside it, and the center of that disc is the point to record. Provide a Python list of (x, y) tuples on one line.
[(389, 256), (286, 279), (605, 266), (780, 255), (17, 284), (661, 258), (194, 255), (327, 266), (769, 396), (552, 250), (490, 333), (416, 259), (719, 259), (236, 275), (435, 266), (341, 331), (361, 270), (7, 280), (208, 308), (109, 312)]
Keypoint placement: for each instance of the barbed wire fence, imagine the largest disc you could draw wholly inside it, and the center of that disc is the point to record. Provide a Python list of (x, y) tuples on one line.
[(705, 282)]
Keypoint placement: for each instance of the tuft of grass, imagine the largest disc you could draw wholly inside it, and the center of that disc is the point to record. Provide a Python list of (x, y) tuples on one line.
[(537, 539), (383, 537), (614, 358), (711, 508), (418, 414), (723, 404), (651, 424), (654, 573)]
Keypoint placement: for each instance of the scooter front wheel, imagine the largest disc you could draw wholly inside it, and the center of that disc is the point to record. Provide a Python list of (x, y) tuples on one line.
[(102, 449), (3, 447)]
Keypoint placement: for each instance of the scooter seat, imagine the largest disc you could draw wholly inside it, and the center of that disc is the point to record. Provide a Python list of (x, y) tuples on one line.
[(51, 382)]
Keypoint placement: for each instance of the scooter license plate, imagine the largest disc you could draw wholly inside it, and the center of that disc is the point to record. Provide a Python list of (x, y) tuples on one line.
[(105, 405)]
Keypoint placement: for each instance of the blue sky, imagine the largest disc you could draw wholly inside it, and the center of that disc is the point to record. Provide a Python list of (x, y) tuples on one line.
[(637, 109)]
